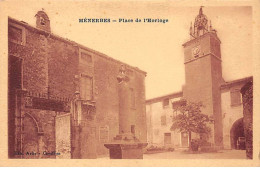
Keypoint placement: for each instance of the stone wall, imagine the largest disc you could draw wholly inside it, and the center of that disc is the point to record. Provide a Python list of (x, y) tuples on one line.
[(50, 67), (107, 101), (230, 114), (247, 92), (156, 129)]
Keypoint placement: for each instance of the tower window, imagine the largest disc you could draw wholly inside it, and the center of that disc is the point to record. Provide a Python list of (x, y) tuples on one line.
[(42, 21)]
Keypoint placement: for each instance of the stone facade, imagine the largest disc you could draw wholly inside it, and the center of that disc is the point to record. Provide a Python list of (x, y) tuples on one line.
[(159, 117), (159, 114), (56, 87), (247, 92), (232, 109)]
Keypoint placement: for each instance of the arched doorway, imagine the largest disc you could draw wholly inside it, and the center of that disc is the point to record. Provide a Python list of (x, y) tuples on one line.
[(237, 133), (30, 137)]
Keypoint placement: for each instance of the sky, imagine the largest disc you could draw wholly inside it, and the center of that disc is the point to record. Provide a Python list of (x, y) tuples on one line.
[(153, 47)]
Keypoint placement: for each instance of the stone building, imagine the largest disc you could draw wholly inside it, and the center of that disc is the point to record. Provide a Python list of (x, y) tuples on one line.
[(247, 93), (63, 96), (203, 83)]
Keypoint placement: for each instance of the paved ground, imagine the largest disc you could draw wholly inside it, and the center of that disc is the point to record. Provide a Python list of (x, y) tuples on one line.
[(223, 154)]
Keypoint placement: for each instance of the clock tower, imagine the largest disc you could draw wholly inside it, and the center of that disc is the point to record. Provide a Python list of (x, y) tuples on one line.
[(203, 73)]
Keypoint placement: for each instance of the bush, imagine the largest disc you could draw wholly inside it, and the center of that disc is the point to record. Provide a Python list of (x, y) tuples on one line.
[(206, 146), (170, 149), (194, 145), (159, 149)]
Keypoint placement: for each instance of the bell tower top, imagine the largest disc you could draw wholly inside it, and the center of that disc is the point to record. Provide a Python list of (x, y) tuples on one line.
[(42, 21), (201, 25)]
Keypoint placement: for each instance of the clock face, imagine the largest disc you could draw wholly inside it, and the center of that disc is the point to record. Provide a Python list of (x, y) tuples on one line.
[(196, 51)]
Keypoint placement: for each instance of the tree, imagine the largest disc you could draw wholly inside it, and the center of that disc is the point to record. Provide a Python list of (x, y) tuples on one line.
[(189, 118)]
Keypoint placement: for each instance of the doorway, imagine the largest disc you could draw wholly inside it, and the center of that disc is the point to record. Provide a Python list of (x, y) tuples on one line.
[(14, 83), (237, 135), (184, 139), (167, 139)]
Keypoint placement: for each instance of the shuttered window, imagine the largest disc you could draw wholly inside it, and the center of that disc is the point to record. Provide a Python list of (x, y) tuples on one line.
[(163, 120), (235, 97), (86, 87)]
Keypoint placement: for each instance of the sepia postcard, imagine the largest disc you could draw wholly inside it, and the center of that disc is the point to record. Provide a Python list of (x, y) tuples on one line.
[(129, 83)]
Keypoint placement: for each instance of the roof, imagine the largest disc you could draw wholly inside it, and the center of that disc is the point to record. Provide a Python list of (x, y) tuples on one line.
[(246, 87), (236, 82), (26, 25), (180, 93), (168, 96)]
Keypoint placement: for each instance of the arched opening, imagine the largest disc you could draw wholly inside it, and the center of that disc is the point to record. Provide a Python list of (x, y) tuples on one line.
[(237, 135), (30, 137)]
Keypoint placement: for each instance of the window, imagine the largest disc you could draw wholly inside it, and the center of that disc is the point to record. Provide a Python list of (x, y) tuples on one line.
[(235, 97), (133, 129), (132, 97), (167, 138), (165, 102), (86, 87), (163, 120), (15, 72), (42, 21), (85, 57), (16, 34)]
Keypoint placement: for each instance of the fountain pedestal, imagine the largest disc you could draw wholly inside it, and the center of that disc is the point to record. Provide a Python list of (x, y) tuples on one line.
[(125, 145)]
